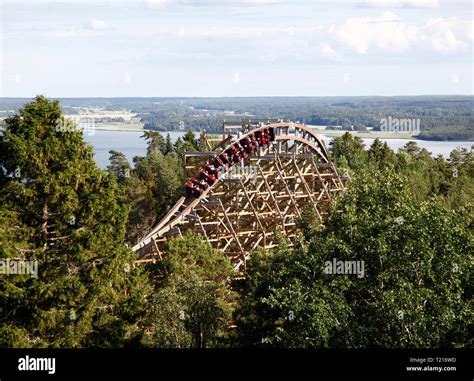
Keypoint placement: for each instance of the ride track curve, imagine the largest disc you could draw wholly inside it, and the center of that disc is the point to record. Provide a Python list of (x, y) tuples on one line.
[(252, 199)]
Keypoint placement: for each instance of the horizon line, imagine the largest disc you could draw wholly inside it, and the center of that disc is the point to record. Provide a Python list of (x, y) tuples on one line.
[(241, 96)]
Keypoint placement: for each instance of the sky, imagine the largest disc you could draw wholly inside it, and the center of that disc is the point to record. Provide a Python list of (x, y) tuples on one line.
[(213, 48)]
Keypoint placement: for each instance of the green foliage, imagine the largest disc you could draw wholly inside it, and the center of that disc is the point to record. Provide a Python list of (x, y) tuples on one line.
[(155, 142), (163, 177), (193, 304), (154, 185), (348, 152), (380, 154), (168, 145), (414, 293), (65, 216), (119, 166), (406, 216), (443, 118)]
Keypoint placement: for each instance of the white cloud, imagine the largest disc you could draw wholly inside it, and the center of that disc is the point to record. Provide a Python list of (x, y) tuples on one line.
[(390, 33), (386, 32), (402, 3), (227, 32), (261, 1), (327, 51), (163, 3), (236, 31), (442, 35), (156, 3), (97, 24)]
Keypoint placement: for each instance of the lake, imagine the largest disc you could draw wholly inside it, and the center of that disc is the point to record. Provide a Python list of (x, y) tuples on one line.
[(130, 143)]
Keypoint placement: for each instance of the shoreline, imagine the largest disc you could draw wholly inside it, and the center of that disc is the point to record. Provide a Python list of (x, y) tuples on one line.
[(327, 133)]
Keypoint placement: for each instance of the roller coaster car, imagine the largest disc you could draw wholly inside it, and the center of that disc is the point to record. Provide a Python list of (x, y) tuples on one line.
[(211, 179), (241, 149), (191, 189), (271, 133), (219, 164), (247, 145), (200, 183), (254, 143), (225, 157), (259, 139), (210, 169), (263, 137), (205, 176), (203, 184), (234, 154)]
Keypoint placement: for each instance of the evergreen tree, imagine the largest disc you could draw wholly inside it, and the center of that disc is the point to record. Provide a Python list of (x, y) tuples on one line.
[(155, 141), (190, 139), (69, 220), (119, 166), (348, 152), (380, 154), (179, 146), (168, 145), (193, 304)]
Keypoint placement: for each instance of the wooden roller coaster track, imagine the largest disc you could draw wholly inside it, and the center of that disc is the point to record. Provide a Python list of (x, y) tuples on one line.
[(257, 196)]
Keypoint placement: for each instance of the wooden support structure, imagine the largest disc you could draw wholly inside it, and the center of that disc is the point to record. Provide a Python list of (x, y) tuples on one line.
[(265, 194)]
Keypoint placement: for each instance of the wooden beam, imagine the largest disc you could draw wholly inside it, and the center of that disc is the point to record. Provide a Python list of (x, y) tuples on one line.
[(278, 162)]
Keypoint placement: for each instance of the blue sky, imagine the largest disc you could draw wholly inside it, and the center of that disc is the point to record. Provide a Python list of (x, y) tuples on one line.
[(236, 48)]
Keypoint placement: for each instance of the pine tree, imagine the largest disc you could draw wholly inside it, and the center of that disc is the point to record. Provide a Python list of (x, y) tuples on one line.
[(69, 220), (348, 152), (190, 139), (380, 154), (155, 141), (119, 166), (168, 145)]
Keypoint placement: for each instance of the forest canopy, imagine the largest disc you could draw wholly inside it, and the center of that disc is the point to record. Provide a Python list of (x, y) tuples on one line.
[(441, 117), (406, 215)]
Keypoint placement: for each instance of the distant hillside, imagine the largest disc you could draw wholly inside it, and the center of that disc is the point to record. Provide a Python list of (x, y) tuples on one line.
[(441, 117)]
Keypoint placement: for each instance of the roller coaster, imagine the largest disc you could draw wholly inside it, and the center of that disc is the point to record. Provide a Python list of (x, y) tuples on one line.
[(257, 180)]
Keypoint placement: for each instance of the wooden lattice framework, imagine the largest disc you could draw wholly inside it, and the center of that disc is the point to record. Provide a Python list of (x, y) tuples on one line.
[(264, 193)]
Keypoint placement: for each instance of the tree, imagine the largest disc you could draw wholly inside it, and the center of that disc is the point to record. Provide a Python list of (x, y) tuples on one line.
[(415, 291), (459, 177), (193, 304), (162, 176), (119, 166), (187, 143), (168, 145), (155, 141), (155, 184), (169, 180), (348, 152), (380, 154), (190, 139), (70, 222)]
